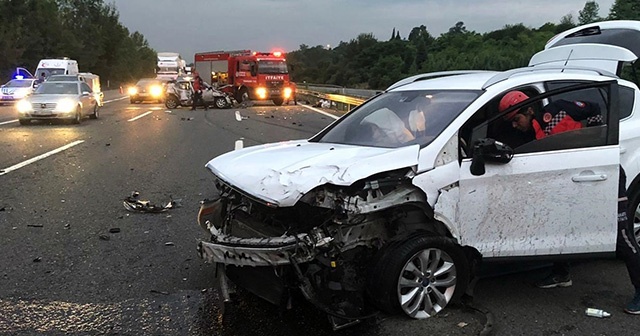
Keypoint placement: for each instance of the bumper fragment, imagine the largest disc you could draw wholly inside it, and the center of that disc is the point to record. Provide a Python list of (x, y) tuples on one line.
[(269, 251)]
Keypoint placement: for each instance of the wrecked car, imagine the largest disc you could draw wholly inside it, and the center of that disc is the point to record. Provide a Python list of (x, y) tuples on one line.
[(178, 93), (392, 207)]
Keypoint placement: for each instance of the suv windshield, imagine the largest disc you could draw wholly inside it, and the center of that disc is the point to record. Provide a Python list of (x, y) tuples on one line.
[(57, 88), (272, 67), (397, 119)]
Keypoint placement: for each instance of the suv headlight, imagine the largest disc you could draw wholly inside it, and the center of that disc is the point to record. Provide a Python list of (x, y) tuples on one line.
[(132, 91)]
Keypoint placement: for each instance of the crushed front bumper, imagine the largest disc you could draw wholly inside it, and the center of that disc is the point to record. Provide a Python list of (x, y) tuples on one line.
[(268, 251)]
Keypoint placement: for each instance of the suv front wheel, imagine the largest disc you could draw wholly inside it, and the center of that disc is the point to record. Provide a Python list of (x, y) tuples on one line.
[(419, 276)]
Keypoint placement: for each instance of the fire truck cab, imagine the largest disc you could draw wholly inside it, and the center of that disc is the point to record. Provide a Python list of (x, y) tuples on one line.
[(247, 75)]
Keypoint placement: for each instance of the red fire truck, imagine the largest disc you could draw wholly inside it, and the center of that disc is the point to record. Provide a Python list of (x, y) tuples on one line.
[(246, 74)]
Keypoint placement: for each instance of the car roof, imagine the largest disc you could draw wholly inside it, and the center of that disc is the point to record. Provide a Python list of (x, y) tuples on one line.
[(481, 80)]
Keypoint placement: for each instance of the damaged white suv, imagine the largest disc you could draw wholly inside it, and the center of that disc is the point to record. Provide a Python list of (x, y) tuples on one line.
[(392, 206)]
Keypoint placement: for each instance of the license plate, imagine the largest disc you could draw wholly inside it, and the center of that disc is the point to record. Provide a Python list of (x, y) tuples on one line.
[(7, 98), (42, 112)]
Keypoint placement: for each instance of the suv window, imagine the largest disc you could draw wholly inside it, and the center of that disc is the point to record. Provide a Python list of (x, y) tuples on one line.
[(593, 131), (627, 98)]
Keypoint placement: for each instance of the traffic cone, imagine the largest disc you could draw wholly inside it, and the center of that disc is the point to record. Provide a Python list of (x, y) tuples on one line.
[(121, 92)]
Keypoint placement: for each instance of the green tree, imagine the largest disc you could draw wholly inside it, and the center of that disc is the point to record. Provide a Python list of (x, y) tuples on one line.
[(589, 13), (625, 10)]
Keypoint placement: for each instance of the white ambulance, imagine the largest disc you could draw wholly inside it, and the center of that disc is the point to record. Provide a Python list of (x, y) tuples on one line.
[(57, 66)]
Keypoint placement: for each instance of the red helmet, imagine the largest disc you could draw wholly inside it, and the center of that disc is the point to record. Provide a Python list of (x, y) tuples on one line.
[(510, 99)]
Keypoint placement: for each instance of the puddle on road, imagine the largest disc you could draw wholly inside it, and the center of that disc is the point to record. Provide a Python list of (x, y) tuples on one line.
[(199, 314)]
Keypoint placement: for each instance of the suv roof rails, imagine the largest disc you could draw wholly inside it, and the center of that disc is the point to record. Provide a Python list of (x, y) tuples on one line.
[(431, 75), (531, 69)]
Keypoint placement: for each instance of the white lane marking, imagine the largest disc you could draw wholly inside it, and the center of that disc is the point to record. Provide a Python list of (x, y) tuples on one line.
[(320, 111), (39, 157), (8, 121), (117, 99), (140, 116)]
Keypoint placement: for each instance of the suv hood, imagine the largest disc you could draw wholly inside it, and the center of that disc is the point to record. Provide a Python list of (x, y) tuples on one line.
[(282, 173)]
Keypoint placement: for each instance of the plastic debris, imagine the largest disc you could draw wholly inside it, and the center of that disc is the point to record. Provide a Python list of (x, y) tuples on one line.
[(104, 237), (133, 203), (169, 244), (35, 225), (38, 259), (462, 324), (159, 292), (594, 312), (114, 230)]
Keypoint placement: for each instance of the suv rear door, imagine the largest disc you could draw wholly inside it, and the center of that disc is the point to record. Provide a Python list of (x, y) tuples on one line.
[(618, 33)]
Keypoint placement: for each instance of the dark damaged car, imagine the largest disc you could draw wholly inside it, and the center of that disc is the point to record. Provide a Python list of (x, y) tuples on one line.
[(393, 206)]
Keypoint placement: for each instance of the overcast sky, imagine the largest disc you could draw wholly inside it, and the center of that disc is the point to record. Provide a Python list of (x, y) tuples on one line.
[(190, 26)]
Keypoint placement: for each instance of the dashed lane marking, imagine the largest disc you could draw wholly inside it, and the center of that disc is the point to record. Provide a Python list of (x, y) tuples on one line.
[(39, 157), (140, 116)]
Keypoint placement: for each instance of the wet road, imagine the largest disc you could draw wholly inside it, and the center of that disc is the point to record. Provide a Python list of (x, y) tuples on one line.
[(74, 261)]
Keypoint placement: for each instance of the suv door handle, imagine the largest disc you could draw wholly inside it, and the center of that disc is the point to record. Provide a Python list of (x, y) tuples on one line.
[(589, 178)]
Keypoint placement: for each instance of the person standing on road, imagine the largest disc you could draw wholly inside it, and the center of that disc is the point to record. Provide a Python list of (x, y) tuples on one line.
[(197, 92), (561, 116)]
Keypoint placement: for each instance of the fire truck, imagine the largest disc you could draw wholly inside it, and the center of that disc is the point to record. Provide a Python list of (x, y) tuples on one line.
[(246, 74)]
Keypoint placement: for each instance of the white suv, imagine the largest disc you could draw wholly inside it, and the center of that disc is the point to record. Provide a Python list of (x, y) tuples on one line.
[(389, 209)]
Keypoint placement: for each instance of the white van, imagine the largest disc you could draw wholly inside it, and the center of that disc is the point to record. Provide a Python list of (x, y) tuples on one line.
[(58, 66)]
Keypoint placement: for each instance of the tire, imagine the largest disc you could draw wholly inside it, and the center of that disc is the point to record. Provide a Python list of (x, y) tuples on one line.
[(419, 276), (132, 101), (96, 112), (24, 121), (278, 101), (634, 212), (171, 102), (78, 117), (221, 103)]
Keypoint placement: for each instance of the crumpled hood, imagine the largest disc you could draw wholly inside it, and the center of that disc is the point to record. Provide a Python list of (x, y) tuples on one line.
[(283, 172)]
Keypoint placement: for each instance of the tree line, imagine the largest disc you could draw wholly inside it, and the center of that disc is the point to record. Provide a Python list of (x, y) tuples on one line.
[(88, 31), (368, 63)]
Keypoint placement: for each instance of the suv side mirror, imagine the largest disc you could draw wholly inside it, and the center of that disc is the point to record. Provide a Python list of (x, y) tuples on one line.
[(489, 150)]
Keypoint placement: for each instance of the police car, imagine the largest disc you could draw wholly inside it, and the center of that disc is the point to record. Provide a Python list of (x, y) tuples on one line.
[(391, 206), (17, 89)]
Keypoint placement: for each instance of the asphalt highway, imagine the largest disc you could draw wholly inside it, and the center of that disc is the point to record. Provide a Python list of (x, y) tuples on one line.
[(73, 260)]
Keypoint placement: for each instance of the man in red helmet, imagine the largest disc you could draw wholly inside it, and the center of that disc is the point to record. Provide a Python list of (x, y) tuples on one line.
[(557, 117), (561, 116)]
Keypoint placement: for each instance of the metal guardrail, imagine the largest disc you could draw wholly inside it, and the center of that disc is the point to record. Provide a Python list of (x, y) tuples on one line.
[(360, 93), (342, 102)]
